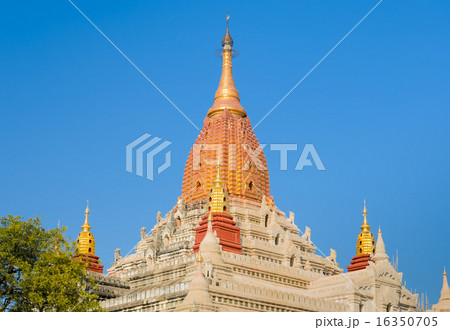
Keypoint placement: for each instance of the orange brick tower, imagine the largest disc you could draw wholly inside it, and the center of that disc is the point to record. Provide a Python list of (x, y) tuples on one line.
[(228, 137)]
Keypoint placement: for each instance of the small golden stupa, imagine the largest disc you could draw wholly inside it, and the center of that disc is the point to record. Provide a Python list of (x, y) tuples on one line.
[(366, 241)]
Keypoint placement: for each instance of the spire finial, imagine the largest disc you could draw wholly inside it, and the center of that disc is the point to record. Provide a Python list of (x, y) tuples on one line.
[(86, 226), (227, 41), (365, 226), (227, 96), (445, 292)]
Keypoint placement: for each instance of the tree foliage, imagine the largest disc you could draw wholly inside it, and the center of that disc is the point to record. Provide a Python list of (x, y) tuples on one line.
[(37, 271)]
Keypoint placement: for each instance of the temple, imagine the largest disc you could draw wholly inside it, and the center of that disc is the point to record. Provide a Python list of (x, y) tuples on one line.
[(225, 245)]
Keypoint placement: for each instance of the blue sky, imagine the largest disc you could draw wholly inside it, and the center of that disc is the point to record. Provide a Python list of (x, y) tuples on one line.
[(376, 111)]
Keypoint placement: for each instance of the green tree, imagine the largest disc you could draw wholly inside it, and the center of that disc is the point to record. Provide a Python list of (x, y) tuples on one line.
[(37, 272)]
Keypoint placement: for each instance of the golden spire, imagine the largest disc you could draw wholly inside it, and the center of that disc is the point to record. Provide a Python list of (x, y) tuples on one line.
[(86, 226), (218, 181), (218, 196), (227, 95), (365, 227), (85, 240), (366, 242)]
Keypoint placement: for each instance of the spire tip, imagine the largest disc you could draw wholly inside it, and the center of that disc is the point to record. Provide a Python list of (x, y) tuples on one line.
[(227, 41)]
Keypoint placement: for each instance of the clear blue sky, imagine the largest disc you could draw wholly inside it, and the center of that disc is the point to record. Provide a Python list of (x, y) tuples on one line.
[(377, 111)]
